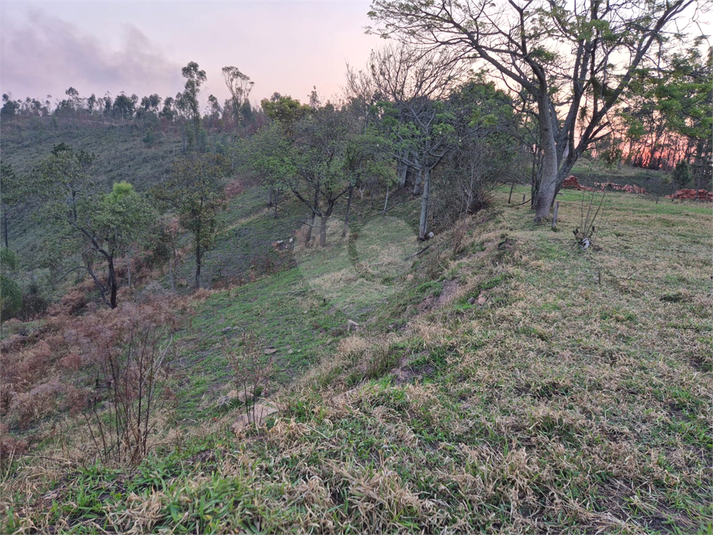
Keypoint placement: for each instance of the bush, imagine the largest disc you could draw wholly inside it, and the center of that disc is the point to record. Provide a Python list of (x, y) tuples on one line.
[(682, 173), (129, 349), (10, 298)]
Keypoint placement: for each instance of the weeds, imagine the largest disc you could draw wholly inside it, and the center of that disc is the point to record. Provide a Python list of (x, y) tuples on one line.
[(131, 352), (252, 369), (584, 233)]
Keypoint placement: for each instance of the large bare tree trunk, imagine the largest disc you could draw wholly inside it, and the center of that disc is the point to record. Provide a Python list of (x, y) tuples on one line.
[(548, 178), (402, 170), (323, 230), (197, 283)]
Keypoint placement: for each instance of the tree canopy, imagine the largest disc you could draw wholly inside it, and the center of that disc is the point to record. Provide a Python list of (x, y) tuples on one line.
[(573, 59)]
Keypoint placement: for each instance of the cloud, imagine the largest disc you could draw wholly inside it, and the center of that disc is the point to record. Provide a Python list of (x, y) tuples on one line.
[(47, 55)]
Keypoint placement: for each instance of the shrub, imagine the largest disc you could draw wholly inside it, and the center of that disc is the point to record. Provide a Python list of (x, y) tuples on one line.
[(682, 173), (129, 349)]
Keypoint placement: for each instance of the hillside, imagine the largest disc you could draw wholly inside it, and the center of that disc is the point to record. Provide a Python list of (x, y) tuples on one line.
[(500, 380)]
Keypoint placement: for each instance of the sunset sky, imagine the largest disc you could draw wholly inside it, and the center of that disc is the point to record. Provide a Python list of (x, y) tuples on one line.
[(139, 47)]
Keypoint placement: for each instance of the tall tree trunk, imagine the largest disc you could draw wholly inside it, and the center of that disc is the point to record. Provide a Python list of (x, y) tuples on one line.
[(548, 173), (323, 230), (324, 217), (112, 284), (423, 223), (314, 211), (310, 226), (417, 183), (386, 201), (199, 254), (346, 217), (402, 170)]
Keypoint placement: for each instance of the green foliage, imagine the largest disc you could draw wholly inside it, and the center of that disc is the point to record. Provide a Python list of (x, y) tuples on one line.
[(10, 297), (8, 258), (285, 110), (99, 227), (682, 173), (10, 292), (195, 192), (190, 105)]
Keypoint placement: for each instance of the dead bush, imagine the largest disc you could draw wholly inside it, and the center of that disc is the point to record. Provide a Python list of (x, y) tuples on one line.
[(129, 348)]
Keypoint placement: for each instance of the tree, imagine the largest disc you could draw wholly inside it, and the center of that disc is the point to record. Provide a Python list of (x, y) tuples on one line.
[(268, 152), (574, 58), (9, 107), (84, 220), (124, 106), (286, 110), (485, 126), (168, 112), (189, 99), (195, 192), (150, 105), (239, 85), (411, 85)]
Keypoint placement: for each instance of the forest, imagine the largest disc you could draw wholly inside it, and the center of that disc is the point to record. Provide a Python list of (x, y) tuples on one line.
[(471, 294)]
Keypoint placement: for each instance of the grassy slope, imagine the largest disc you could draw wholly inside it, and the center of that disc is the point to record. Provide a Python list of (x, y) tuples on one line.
[(121, 155), (573, 396)]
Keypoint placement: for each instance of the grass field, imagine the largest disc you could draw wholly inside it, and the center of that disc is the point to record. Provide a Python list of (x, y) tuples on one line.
[(507, 382)]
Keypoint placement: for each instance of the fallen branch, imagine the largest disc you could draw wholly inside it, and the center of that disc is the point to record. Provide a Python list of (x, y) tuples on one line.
[(418, 253)]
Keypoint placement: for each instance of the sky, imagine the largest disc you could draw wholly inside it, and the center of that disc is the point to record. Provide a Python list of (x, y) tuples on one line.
[(140, 46)]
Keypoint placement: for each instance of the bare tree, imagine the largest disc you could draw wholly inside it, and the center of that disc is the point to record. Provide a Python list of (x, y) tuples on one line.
[(575, 58), (412, 84)]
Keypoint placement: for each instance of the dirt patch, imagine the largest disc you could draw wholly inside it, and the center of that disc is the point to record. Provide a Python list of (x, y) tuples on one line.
[(449, 292)]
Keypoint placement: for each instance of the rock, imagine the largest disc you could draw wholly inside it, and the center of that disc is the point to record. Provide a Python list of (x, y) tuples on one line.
[(430, 235), (471, 301), (270, 351), (255, 415)]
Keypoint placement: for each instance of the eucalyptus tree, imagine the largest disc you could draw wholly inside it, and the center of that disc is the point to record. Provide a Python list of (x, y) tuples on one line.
[(188, 101), (239, 86), (574, 57)]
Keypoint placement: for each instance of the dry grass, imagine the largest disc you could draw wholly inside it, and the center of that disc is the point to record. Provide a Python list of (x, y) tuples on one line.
[(576, 397)]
